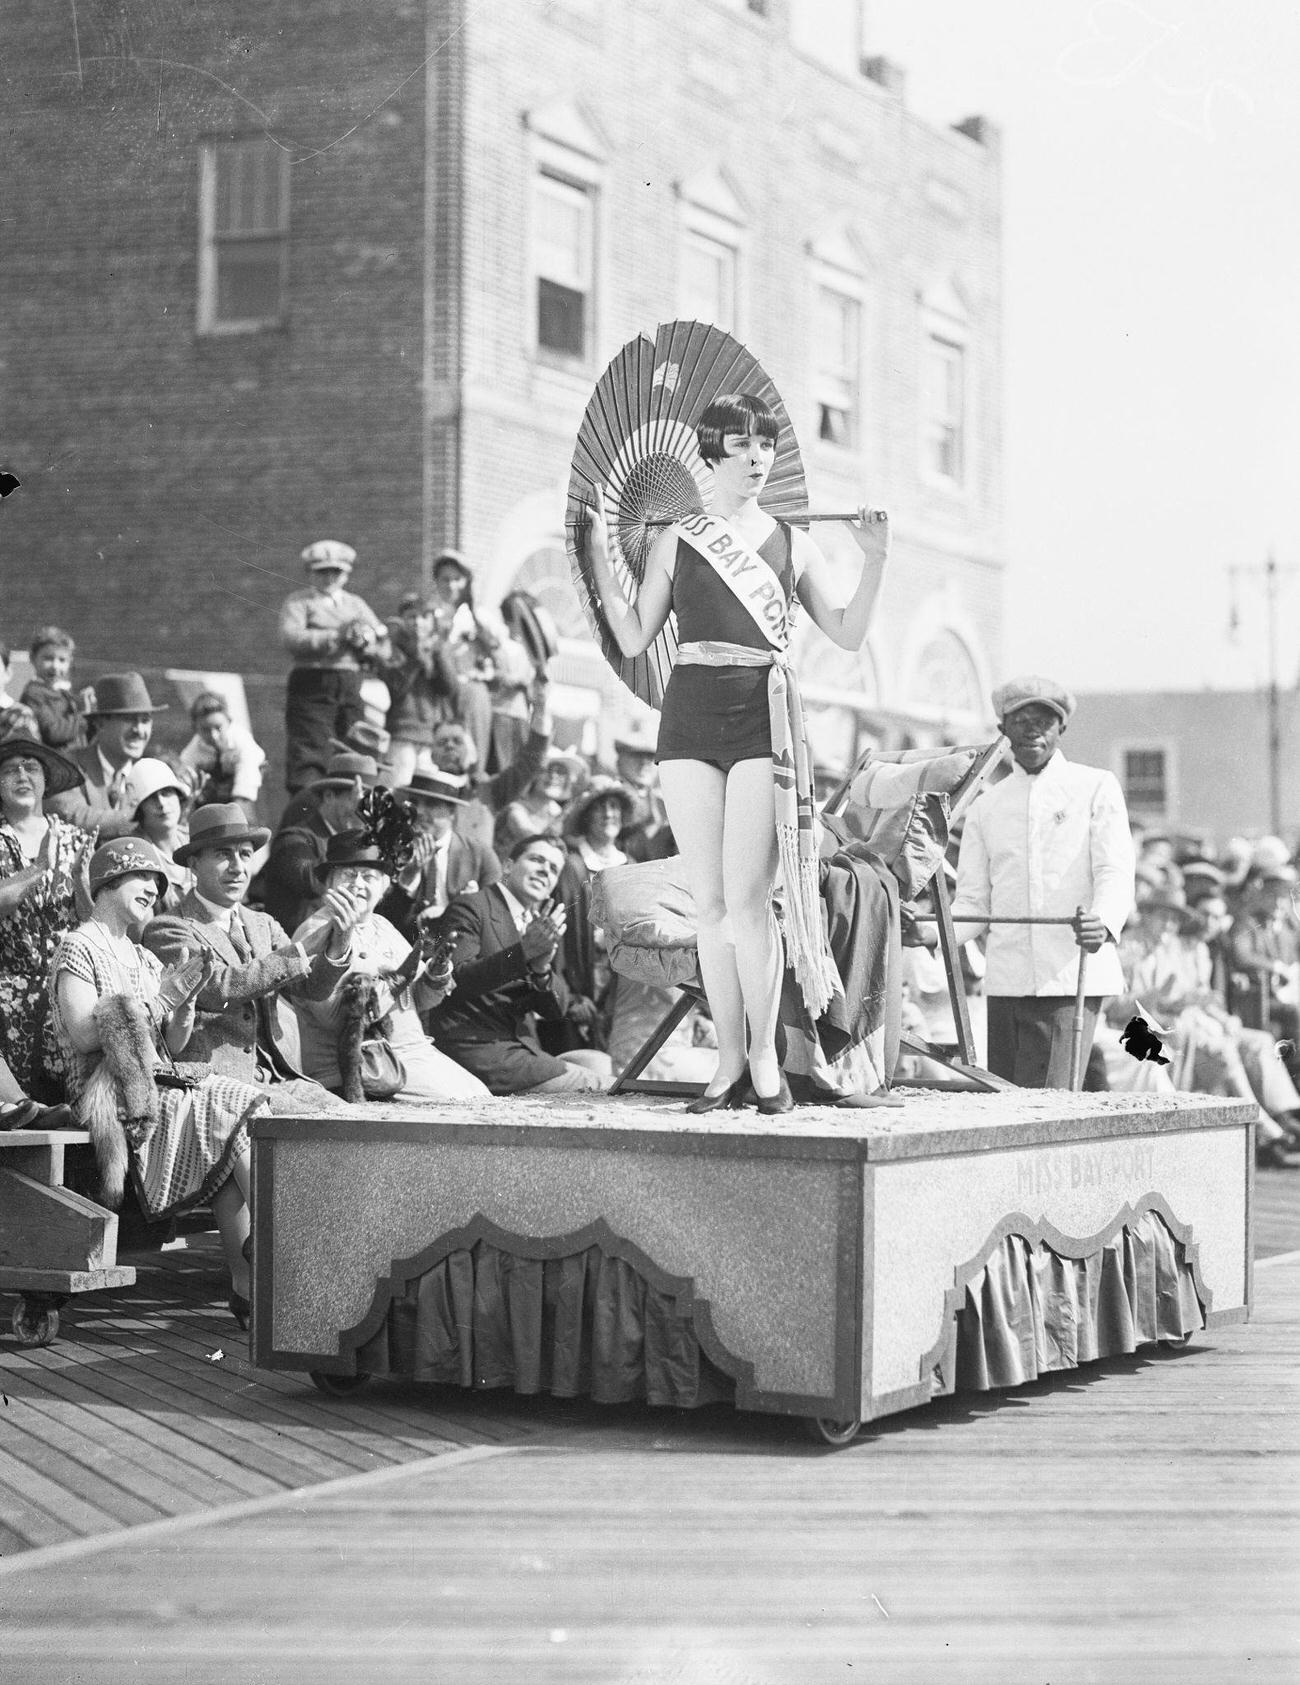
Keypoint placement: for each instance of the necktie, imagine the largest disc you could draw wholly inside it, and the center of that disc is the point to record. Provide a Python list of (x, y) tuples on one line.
[(238, 938), (117, 788)]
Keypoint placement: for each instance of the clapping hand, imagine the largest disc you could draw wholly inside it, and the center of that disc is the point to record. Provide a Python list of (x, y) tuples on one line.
[(542, 938), (345, 909), (183, 981)]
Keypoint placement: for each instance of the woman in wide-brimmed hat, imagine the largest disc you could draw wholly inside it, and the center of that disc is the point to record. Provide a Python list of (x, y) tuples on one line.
[(354, 876), (43, 892), (121, 1019)]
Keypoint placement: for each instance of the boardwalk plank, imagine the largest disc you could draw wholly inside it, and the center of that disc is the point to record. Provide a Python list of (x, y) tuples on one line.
[(75, 1515), (138, 1405)]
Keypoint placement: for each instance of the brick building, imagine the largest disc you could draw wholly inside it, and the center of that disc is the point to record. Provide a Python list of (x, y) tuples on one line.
[(276, 271)]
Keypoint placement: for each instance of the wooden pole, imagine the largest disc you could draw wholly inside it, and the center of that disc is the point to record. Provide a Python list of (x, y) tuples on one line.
[(1076, 1028)]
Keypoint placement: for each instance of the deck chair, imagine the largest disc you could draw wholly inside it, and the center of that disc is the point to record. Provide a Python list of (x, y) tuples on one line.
[(920, 792)]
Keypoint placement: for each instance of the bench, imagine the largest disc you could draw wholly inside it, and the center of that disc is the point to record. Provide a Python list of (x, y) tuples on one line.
[(53, 1243)]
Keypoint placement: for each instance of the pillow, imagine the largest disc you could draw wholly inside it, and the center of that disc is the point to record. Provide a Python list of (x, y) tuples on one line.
[(663, 968), (888, 782), (909, 840), (645, 904)]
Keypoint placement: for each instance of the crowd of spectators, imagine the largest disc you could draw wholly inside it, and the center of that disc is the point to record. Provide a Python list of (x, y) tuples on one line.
[(330, 973)]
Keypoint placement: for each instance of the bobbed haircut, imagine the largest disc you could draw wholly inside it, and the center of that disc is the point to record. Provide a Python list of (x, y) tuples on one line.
[(733, 412)]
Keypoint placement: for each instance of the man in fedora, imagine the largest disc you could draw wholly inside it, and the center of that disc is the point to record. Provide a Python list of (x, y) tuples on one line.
[(122, 724), (332, 634), (243, 1026), (288, 883), (444, 864), (1048, 840)]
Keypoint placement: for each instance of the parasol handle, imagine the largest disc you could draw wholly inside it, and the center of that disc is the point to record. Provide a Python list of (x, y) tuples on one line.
[(788, 515)]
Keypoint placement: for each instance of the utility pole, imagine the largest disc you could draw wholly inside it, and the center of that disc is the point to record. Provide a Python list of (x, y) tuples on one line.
[(1270, 574)]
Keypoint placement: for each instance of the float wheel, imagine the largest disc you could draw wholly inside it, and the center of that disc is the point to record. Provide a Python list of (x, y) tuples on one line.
[(337, 1386), (34, 1324), (826, 1430)]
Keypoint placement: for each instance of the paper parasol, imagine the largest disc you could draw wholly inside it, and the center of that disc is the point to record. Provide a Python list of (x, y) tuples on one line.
[(637, 442)]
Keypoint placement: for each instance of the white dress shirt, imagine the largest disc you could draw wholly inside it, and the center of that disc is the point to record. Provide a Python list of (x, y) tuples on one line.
[(1046, 844)]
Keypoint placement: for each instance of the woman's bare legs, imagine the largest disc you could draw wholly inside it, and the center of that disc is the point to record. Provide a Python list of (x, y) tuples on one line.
[(694, 794), (230, 1208), (749, 858), (726, 830)]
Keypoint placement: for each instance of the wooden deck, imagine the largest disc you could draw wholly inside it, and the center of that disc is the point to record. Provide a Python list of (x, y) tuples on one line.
[(165, 1514)]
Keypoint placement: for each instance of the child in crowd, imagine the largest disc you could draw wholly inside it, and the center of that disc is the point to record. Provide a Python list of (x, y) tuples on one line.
[(59, 710), (225, 762)]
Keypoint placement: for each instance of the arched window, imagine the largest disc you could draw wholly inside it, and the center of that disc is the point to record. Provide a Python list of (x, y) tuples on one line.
[(547, 575), (946, 678)]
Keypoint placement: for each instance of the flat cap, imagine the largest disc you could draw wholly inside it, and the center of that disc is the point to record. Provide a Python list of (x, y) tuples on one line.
[(329, 553), (1032, 687)]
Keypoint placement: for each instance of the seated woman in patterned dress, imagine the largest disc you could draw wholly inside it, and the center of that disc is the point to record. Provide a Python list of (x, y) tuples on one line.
[(119, 1017), (43, 892)]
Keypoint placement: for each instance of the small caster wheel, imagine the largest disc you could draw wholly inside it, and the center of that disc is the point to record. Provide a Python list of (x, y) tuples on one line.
[(337, 1386), (33, 1324), (827, 1431)]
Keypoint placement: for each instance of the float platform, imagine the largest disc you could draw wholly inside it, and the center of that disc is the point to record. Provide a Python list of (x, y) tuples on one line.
[(834, 1264)]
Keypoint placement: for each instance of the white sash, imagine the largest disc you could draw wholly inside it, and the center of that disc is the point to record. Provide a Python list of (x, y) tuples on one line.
[(745, 574)]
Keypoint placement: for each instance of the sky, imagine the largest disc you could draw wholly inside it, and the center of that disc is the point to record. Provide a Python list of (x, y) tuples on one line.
[(1151, 156)]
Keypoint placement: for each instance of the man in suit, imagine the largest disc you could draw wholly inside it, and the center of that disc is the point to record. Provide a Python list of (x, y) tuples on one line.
[(122, 719), (506, 967), (288, 885), (243, 1026), (445, 864)]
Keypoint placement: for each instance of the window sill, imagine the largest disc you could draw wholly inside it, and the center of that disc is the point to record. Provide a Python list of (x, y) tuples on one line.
[(240, 330)]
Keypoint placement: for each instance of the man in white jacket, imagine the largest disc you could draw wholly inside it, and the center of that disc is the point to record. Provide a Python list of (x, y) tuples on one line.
[(1048, 840)]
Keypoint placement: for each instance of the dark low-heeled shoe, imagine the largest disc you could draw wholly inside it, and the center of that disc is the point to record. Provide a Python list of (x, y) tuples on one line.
[(240, 1309), (728, 1099), (774, 1104), (247, 1250)]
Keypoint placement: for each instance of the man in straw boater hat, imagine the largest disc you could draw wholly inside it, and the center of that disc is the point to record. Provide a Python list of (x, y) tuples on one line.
[(332, 635), (288, 883), (122, 724), (1050, 841), (244, 1027), (444, 864)]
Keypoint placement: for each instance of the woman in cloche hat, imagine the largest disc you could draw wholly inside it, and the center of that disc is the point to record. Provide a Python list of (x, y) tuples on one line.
[(120, 1019)]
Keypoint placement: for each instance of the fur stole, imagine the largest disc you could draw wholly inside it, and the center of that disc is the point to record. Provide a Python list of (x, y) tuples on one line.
[(119, 1103), (360, 1022)]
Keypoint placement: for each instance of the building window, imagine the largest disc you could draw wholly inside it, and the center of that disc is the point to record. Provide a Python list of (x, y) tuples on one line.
[(243, 234), (837, 360), (1146, 780), (708, 292), (944, 397), (564, 253)]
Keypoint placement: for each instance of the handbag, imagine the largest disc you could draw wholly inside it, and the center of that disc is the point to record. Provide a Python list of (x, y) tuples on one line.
[(382, 1072)]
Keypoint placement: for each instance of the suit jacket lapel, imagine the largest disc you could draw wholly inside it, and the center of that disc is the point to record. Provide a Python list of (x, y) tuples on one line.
[(193, 909)]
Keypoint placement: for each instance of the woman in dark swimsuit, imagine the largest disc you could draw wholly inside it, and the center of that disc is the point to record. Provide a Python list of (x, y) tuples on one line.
[(715, 744)]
